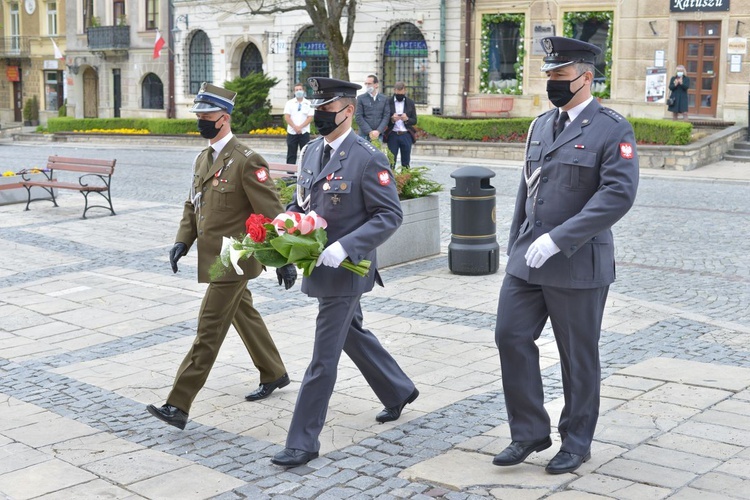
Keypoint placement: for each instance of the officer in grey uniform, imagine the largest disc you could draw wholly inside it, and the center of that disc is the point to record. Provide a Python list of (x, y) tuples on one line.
[(580, 178), (348, 182)]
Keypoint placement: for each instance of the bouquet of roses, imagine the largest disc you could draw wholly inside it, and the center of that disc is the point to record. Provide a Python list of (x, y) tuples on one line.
[(290, 238)]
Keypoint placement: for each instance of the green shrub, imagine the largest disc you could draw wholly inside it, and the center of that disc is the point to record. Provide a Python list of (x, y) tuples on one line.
[(153, 125), (414, 182), (667, 132), (252, 109), (286, 191)]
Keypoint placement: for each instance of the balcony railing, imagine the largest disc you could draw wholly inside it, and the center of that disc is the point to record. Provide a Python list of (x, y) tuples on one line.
[(103, 38), (15, 46)]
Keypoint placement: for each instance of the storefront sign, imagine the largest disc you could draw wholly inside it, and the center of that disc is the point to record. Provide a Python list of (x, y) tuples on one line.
[(11, 72), (698, 5), (311, 49), (53, 64), (737, 45), (539, 31), (406, 48)]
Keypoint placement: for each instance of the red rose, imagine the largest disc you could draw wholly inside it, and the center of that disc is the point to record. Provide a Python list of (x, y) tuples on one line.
[(254, 226)]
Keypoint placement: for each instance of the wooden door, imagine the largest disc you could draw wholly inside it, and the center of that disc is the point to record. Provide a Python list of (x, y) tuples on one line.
[(698, 51), (90, 94), (17, 101)]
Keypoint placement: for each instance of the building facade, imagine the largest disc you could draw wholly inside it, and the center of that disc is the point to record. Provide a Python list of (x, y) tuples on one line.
[(444, 50)]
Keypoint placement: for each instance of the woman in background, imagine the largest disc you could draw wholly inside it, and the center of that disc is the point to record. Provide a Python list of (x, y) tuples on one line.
[(679, 85)]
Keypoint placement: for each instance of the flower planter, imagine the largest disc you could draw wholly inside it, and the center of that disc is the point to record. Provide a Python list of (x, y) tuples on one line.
[(11, 190), (418, 236)]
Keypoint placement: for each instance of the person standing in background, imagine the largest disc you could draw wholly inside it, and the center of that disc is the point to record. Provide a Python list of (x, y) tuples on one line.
[(371, 115), (298, 115), (400, 133), (678, 86)]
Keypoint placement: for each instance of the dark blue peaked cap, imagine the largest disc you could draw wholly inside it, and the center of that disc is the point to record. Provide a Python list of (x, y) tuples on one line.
[(327, 90), (212, 98), (563, 51)]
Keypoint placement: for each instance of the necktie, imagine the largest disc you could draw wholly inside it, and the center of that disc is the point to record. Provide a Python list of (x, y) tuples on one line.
[(326, 155), (208, 161), (560, 123)]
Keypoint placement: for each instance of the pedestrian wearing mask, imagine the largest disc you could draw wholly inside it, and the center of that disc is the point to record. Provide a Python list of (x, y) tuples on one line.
[(400, 133), (580, 178), (348, 182), (372, 110), (678, 86), (230, 182), (298, 115)]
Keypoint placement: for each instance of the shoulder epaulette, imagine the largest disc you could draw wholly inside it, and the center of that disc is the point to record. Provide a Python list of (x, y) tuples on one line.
[(247, 151), (612, 114)]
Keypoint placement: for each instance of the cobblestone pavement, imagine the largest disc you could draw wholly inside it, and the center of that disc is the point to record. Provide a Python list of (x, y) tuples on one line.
[(94, 325)]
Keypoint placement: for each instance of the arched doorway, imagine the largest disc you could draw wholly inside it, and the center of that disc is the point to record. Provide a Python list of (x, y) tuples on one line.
[(405, 60), (251, 61), (90, 93), (310, 56)]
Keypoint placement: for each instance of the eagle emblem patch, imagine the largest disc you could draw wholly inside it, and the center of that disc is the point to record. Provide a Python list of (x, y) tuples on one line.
[(384, 178), (626, 150), (261, 174)]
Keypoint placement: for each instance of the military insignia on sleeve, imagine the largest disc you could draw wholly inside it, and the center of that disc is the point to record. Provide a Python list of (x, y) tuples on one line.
[(626, 150), (261, 174), (384, 178)]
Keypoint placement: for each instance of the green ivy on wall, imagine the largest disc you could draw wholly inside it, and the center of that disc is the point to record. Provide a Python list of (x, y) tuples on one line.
[(484, 82), (572, 18)]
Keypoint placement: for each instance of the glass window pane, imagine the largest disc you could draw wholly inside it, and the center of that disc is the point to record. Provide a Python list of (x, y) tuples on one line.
[(310, 57), (692, 29), (502, 41), (707, 83), (691, 100), (706, 101), (152, 92), (708, 67), (201, 65), (708, 49), (712, 29), (692, 66), (693, 49), (251, 61), (405, 59)]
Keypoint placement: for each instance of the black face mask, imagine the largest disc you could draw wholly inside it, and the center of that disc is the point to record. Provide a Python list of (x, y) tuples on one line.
[(325, 121), (207, 128), (558, 91), (399, 97)]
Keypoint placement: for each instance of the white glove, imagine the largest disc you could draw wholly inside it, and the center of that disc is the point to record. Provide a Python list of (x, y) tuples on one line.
[(542, 249), (332, 256)]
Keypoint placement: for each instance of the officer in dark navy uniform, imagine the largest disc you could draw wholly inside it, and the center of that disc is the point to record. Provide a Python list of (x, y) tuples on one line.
[(580, 178), (348, 182)]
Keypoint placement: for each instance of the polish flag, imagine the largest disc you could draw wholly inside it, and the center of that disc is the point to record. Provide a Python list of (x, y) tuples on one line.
[(58, 53), (158, 44)]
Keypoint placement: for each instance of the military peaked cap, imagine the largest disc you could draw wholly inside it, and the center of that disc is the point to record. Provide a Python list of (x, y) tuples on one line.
[(563, 51), (327, 90), (212, 98)]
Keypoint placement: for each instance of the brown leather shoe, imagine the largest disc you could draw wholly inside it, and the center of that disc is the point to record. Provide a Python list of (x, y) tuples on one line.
[(265, 390), (169, 414), (394, 412)]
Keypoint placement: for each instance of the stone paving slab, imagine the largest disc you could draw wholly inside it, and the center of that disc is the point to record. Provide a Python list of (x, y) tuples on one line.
[(87, 341)]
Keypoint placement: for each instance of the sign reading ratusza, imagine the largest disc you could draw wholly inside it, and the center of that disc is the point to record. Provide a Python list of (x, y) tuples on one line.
[(698, 5)]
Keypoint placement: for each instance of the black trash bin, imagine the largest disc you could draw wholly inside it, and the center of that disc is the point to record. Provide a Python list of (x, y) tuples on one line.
[(473, 249)]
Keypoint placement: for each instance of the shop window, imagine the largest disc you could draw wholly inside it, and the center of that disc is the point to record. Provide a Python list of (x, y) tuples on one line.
[(200, 61), (152, 91), (310, 56), (501, 66), (251, 62), (594, 28), (405, 60)]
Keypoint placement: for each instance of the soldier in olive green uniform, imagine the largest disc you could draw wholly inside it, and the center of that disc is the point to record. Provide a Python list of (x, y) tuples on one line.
[(230, 182)]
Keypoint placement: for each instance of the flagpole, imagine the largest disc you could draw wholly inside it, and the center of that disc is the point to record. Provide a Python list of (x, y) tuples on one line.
[(170, 35)]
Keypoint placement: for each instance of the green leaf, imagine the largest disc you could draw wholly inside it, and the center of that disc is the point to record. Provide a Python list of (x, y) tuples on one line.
[(269, 257)]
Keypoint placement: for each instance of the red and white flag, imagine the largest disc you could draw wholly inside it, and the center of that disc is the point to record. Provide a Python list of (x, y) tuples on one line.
[(158, 44), (58, 53)]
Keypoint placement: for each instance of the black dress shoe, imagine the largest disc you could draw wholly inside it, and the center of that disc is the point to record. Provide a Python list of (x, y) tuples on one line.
[(566, 462), (265, 390), (517, 451), (169, 414), (291, 458), (394, 412)]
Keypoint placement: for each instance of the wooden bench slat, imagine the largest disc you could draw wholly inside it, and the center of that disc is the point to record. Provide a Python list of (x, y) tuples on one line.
[(64, 185), (82, 161), (81, 168)]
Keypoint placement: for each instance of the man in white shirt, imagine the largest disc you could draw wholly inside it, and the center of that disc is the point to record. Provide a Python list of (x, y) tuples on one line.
[(298, 115)]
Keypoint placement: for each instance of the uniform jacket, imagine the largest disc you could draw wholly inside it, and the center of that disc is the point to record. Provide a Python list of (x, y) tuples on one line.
[(360, 205), (371, 114), (411, 112), (588, 181), (236, 185)]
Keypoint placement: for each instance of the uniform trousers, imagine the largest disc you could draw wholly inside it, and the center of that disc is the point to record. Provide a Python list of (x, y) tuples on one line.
[(225, 303), (398, 141), (339, 327), (576, 317)]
